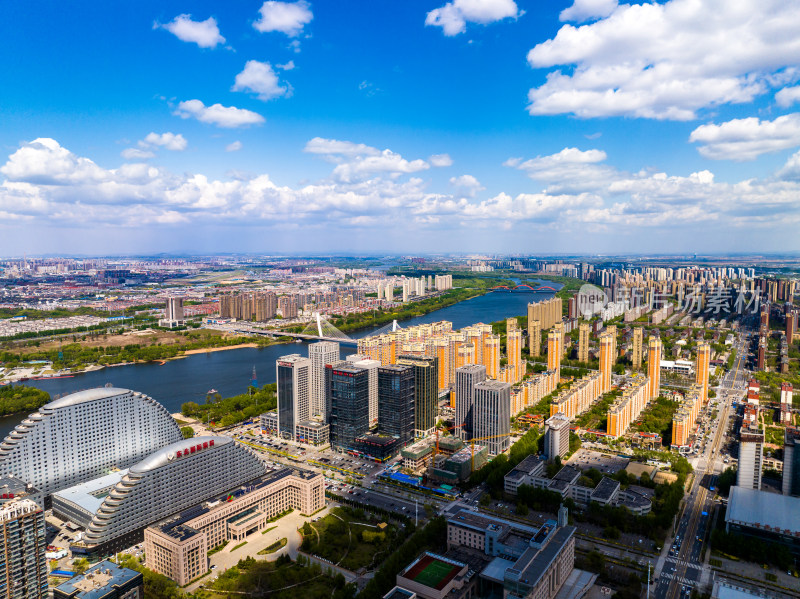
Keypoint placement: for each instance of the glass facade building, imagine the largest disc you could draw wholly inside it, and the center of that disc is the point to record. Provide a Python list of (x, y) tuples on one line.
[(348, 388), (396, 403)]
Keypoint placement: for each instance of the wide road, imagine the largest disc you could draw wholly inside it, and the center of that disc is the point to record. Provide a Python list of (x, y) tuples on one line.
[(683, 569)]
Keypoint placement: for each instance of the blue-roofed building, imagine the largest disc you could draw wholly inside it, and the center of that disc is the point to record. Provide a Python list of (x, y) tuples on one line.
[(105, 580)]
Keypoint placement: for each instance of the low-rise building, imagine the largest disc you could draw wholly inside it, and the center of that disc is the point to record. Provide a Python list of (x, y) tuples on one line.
[(522, 473), (565, 483), (177, 547), (433, 576), (764, 516), (105, 580), (528, 562)]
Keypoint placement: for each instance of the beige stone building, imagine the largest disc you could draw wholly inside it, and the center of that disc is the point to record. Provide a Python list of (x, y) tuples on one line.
[(178, 546)]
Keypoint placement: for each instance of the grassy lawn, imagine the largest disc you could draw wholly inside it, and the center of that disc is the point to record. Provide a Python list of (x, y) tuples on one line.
[(596, 417), (274, 547), (281, 579), (657, 418), (346, 541)]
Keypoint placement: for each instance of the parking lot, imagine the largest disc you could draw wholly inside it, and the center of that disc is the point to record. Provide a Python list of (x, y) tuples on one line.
[(584, 459)]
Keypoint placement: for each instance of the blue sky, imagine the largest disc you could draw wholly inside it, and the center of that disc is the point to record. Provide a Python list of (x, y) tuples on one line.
[(390, 126)]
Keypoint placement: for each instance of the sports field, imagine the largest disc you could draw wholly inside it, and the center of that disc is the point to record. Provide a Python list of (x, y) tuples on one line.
[(432, 572)]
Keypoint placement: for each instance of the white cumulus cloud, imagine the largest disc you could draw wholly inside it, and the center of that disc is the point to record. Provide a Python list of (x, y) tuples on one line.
[(233, 146), (261, 79), (136, 154), (320, 145), (228, 117), (285, 17), (454, 16), (440, 160), (788, 96), (583, 10), (668, 60), (169, 141), (746, 139), (203, 33)]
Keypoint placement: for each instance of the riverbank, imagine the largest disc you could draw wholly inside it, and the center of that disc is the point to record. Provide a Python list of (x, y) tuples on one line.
[(191, 352)]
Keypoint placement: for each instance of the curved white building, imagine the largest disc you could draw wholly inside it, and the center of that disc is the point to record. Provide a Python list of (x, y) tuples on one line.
[(84, 435), (172, 479)]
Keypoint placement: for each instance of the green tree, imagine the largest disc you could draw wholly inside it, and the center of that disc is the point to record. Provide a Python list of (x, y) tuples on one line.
[(187, 432)]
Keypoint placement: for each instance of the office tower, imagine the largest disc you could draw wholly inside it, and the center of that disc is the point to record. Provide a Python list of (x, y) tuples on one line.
[(371, 366), (556, 436), (606, 361), (82, 435), (786, 403), (791, 461), (321, 354), (349, 397), (612, 331), (636, 354), (294, 403), (396, 402), (466, 378), (492, 415), (751, 458), (654, 366), (173, 313), (175, 477), (23, 569), (426, 392), (583, 342), (491, 355), (174, 308), (702, 366), (554, 352), (514, 353)]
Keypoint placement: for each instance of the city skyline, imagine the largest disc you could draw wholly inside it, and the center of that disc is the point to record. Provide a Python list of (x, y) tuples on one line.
[(473, 126)]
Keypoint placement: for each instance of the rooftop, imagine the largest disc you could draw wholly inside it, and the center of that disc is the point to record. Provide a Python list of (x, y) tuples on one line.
[(98, 581), (767, 511), (605, 489), (90, 495), (85, 396), (169, 453)]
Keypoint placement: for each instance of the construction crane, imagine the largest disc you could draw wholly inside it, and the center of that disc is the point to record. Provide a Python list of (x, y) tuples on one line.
[(436, 446), (472, 445)]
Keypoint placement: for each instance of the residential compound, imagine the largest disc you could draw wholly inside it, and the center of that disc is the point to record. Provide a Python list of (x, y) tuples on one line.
[(626, 409), (84, 435), (178, 546), (23, 569)]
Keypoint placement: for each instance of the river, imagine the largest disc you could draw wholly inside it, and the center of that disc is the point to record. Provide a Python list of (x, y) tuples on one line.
[(229, 372)]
